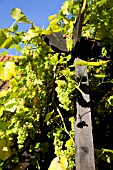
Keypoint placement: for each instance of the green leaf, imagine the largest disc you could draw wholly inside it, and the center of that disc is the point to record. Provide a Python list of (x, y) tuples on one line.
[(101, 2), (3, 37), (108, 158), (84, 6), (104, 154), (86, 63), (25, 109), (5, 40), (5, 151), (48, 116), (65, 7), (18, 15), (58, 164), (7, 43), (54, 27), (31, 33), (11, 105), (100, 75), (17, 47), (17, 39), (13, 28), (3, 126), (37, 145), (52, 17), (4, 53), (3, 93), (110, 100), (1, 111), (8, 71)]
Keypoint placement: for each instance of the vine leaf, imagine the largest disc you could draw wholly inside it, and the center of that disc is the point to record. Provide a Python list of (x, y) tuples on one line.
[(48, 116), (5, 151), (18, 15), (3, 37), (58, 164), (5, 41), (65, 8), (3, 93), (1, 111), (101, 2), (110, 100), (104, 154), (51, 17), (31, 33), (90, 63), (53, 26), (7, 71), (11, 105)]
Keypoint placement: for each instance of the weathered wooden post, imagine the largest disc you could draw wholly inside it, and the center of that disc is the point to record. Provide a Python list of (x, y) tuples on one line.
[(84, 156), (82, 48)]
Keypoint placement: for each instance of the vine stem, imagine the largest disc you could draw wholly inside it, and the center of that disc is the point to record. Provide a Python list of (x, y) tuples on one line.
[(65, 129)]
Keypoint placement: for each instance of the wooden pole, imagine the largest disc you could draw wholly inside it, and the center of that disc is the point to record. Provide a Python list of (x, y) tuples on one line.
[(84, 156)]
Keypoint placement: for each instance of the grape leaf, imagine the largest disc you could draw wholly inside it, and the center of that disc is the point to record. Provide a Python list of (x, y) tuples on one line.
[(65, 8), (58, 164), (52, 17), (8, 71), (18, 15), (5, 151), (86, 63)]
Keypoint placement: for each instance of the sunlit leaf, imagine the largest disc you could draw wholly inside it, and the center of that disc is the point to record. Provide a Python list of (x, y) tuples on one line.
[(84, 5), (7, 43), (101, 2), (54, 27), (17, 47), (6, 40), (108, 158), (47, 32), (86, 63), (1, 111), (52, 17), (100, 75), (18, 15), (7, 71), (25, 109), (37, 145), (11, 105), (65, 7), (110, 100), (31, 33), (3, 37), (58, 164), (3, 93), (64, 163)]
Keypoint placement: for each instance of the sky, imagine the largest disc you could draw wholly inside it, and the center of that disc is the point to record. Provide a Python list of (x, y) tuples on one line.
[(36, 11)]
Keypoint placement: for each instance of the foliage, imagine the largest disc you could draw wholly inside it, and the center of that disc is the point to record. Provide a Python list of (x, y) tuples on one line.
[(7, 70), (37, 111)]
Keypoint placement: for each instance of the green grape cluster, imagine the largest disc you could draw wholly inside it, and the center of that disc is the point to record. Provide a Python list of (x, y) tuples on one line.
[(64, 89), (22, 134), (65, 148)]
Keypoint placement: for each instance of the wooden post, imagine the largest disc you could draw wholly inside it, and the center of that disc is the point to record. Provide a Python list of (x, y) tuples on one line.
[(84, 156)]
